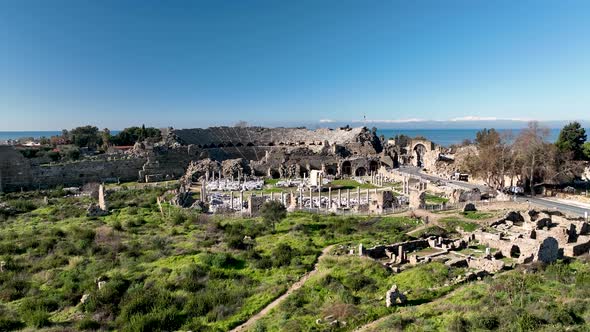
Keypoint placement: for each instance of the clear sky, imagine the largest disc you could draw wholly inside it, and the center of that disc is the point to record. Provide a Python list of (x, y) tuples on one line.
[(199, 63)]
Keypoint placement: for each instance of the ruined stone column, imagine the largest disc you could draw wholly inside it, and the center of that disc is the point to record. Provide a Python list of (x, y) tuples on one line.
[(319, 198), (339, 198), (101, 199), (358, 195), (310, 199), (282, 198), (329, 197), (401, 253), (241, 200), (231, 200), (300, 199), (204, 192), (348, 198), (272, 196)]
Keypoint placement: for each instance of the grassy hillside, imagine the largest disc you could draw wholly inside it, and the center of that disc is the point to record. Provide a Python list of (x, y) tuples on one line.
[(177, 270)]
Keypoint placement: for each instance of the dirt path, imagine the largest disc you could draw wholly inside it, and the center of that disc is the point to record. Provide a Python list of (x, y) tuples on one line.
[(250, 322)]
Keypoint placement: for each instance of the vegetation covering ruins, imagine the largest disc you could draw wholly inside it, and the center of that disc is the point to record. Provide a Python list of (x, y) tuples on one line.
[(146, 267), (288, 229)]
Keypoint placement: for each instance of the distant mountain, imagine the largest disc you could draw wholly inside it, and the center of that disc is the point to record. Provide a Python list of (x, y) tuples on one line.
[(446, 124)]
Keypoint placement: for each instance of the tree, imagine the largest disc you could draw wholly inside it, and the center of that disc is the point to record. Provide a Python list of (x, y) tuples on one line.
[(402, 140), (106, 138), (571, 139), (132, 135), (586, 150), (534, 153), (273, 212), (493, 159), (87, 136)]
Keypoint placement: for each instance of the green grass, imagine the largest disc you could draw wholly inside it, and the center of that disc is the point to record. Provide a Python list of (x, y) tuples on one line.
[(434, 199), (552, 298), (352, 289), (350, 184), (453, 222), (181, 270), (476, 215), (271, 182)]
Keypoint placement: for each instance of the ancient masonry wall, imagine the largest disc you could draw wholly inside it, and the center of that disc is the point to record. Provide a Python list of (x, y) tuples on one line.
[(79, 173), (15, 170)]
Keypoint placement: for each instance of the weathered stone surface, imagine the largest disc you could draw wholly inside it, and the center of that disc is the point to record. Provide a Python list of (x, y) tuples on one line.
[(95, 211), (548, 250), (514, 216), (393, 297), (457, 262), (461, 195), (254, 204), (417, 199)]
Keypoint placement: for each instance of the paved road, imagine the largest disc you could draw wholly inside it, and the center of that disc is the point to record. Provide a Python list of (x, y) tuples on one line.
[(549, 204), (463, 184), (545, 203)]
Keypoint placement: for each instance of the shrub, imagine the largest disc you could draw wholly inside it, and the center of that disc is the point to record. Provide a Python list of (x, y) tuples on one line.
[(273, 212), (457, 324), (88, 324), (10, 324), (117, 225), (37, 318), (108, 298), (282, 255), (486, 322)]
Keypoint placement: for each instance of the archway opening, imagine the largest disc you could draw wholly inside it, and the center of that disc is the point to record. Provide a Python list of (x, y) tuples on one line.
[(515, 252), (346, 168), (361, 171), (419, 151), (330, 170), (373, 166)]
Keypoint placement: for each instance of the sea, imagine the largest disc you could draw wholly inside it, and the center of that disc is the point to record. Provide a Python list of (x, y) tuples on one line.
[(444, 137), (447, 137), (12, 135)]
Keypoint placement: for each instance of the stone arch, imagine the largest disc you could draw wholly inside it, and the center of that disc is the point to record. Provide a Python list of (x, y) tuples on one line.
[(346, 168), (331, 170), (360, 171), (273, 173), (419, 151), (303, 172), (373, 166)]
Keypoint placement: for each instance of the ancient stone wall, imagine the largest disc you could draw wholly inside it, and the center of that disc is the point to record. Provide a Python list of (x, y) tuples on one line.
[(79, 173), (359, 140), (15, 170)]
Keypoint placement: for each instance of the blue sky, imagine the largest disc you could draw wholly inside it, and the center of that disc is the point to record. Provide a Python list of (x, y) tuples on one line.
[(200, 63)]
